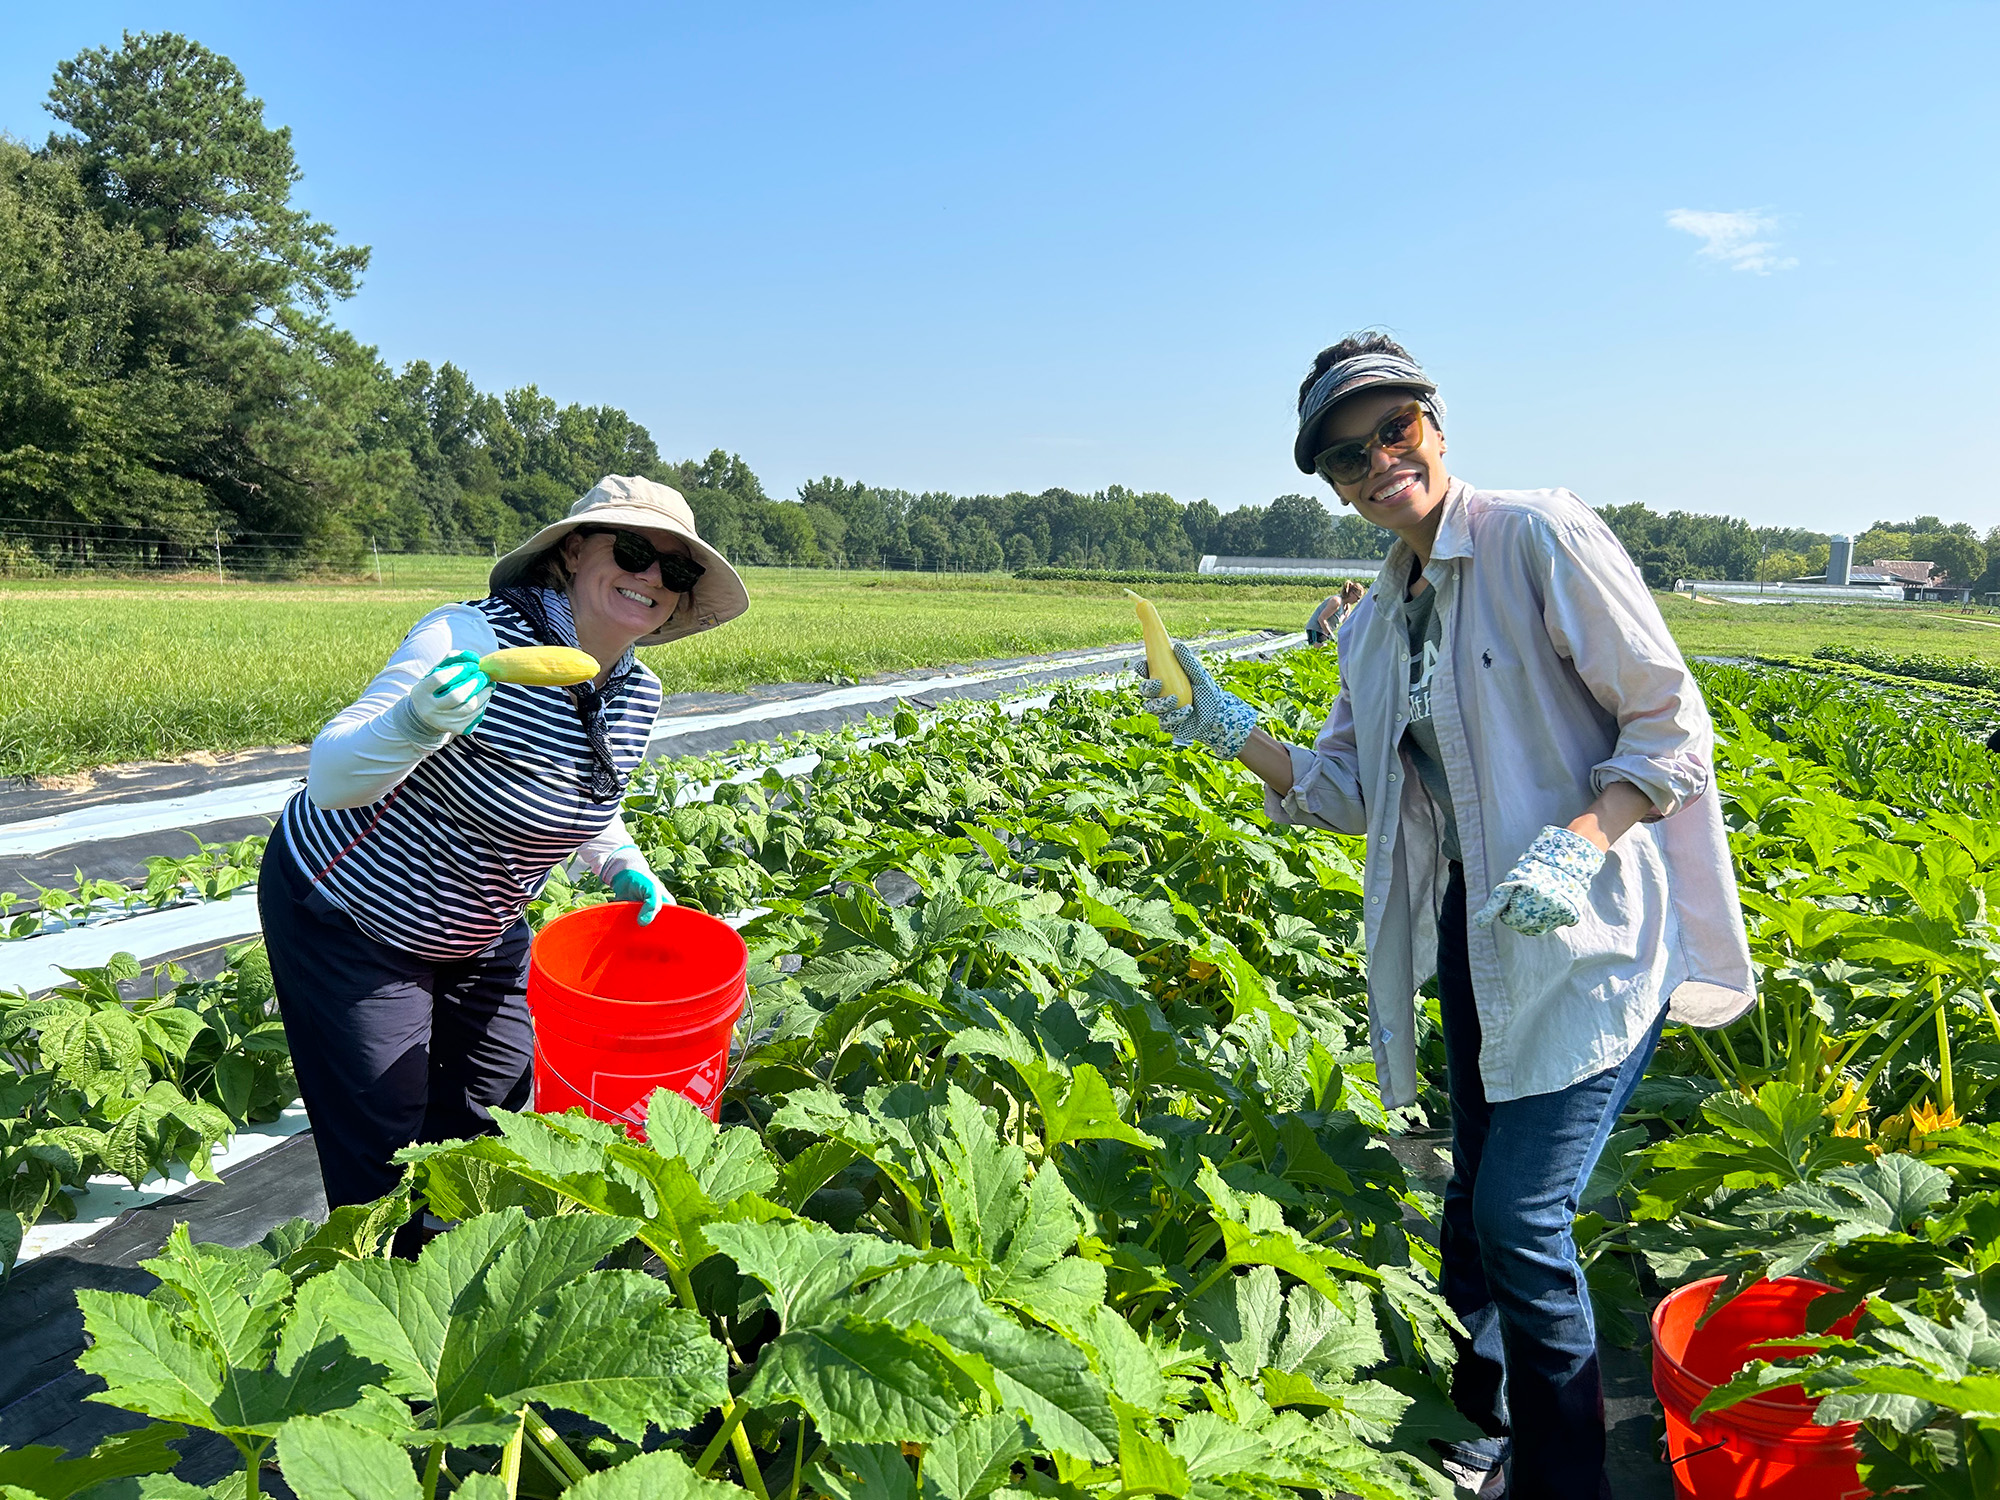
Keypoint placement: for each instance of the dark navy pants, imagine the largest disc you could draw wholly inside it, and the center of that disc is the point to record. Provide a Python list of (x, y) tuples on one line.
[(389, 1047), (1528, 1369)]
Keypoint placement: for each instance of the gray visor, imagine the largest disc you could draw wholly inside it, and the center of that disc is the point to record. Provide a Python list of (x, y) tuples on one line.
[(1345, 378)]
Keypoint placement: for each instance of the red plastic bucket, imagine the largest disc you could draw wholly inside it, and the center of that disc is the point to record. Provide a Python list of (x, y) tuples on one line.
[(1768, 1446), (621, 1010)]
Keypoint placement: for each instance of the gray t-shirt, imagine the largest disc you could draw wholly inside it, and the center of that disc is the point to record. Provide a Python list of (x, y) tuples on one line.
[(1420, 739)]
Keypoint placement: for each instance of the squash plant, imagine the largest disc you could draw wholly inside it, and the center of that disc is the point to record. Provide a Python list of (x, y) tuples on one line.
[(98, 1083), (1053, 1156)]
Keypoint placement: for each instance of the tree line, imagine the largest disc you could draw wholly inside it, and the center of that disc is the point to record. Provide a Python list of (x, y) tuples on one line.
[(173, 366), (1683, 545)]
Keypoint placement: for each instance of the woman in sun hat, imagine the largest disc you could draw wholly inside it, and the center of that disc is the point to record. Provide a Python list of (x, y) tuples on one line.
[(435, 806), (1532, 764)]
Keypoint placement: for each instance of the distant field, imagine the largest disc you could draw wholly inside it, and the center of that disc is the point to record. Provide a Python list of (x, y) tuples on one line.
[(1705, 629), (96, 673)]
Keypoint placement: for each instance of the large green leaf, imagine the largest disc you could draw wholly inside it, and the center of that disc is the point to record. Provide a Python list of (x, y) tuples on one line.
[(805, 1266), (493, 1312), (614, 1348), (1043, 1376), (975, 1458), (1147, 1466), (151, 1363), (325, 1459), (49, 1474), (401, 1312), (651, 1476), (869, 1471), (862, 1382), (503, 1310), (1238, 1319), (233, 1300)]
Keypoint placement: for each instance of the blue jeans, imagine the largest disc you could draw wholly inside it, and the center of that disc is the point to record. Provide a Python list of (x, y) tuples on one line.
[(1528, 1368)]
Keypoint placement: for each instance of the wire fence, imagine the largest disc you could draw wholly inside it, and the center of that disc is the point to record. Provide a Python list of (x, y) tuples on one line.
[(36, 549), (32, 548)]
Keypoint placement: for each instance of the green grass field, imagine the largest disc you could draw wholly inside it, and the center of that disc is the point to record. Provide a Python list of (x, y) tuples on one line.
[(97, 673)]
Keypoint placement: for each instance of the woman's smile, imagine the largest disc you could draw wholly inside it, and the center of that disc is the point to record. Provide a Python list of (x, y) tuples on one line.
[(1392, 487)]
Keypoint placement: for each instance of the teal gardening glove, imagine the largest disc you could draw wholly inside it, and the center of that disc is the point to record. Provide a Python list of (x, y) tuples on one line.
[(634, 882), (451, 698), (1548, 887), (1217, 719)]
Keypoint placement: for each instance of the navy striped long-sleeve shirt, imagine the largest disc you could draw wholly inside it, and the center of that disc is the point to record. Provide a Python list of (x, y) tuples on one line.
[(436, 847)]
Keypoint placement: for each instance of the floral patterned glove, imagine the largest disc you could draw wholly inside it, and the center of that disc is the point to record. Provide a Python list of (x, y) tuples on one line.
[(1217, 718), (1548, 887)]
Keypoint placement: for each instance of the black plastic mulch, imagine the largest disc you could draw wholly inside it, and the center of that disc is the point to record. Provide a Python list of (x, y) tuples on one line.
[(43, 1396)]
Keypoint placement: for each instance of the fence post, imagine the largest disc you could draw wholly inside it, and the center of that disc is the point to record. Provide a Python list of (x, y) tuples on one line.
[(218, 556), (378, 558)]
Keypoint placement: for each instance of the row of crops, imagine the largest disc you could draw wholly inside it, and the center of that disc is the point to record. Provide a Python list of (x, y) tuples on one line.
[(1054, 1162)]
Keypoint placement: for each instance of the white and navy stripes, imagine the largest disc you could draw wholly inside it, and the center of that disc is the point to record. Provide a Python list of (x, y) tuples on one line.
[(447, 859)]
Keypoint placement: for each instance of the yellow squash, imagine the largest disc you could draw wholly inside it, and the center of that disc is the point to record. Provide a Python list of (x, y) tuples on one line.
[(540, 666), (1160, 661)]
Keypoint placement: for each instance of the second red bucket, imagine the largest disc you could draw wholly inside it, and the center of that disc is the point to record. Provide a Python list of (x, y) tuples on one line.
[(1766, 1448), (621, 1010)]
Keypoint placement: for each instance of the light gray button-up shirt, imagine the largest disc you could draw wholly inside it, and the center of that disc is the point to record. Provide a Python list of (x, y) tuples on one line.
[(1557, 677)]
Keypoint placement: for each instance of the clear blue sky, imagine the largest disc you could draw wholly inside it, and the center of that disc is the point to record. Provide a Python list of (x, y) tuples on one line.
[(1013, 246)]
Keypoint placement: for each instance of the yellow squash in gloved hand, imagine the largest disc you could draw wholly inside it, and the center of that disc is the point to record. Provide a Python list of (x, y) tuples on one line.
[(1160, 661), (540, 666)]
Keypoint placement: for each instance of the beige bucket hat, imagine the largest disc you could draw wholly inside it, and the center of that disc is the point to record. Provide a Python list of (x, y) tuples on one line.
[(626, 500)]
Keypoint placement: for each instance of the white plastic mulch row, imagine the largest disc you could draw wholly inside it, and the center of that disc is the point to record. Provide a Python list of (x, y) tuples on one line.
[(117, 820), (109, 1195), (37, 963), (265, 798), (877, 692)]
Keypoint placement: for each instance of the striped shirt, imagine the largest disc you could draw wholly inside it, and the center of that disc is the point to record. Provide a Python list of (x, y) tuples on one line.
[(437, 848)]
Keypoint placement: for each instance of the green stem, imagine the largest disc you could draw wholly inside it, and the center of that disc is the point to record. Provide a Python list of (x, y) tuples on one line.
[(1714, 1062), (1875, 1072), (510, 1457), (683, 1287), (253, 1468), (1945, 1081), (432, 1466), (1854, 1048), (550, 1442), (1206, 1241), (1210, 1280), (746, 1462), (1734, 1061), (1992, 1015), (798, 1460), (732, 1418)]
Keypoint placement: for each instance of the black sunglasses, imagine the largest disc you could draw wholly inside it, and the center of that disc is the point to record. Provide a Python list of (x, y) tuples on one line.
[(1398, 432), (635, 554)]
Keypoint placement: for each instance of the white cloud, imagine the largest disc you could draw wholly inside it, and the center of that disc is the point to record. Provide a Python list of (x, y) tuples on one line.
[(1731, 238)]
